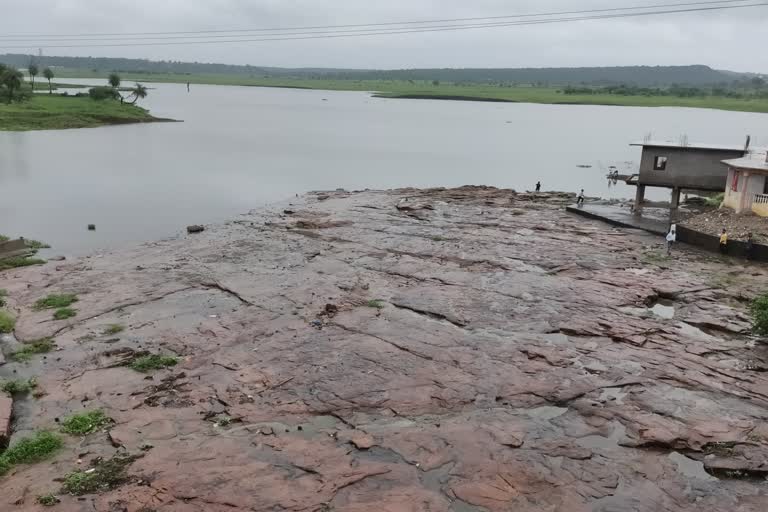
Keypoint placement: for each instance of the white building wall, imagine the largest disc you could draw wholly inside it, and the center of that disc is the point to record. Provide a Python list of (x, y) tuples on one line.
[(731, 198)]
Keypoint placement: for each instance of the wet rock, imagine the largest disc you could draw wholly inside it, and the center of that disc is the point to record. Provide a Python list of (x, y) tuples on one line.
[(195, 229), (509, 370)]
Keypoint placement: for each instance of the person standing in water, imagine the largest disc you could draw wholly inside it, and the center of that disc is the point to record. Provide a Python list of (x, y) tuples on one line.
[(187, 86), (724, 242), (671, 238), (538, 186)]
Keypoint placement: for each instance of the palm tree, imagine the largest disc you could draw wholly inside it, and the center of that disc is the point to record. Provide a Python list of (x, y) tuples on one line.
[(48, 74), (114, 80), (33, 71), (138, 92), (12, 79)]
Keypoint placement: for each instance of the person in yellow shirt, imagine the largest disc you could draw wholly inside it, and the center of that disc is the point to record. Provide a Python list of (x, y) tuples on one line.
[(724, 242)]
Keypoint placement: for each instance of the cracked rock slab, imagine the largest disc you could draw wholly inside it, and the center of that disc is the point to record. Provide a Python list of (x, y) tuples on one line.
[(443, 350)]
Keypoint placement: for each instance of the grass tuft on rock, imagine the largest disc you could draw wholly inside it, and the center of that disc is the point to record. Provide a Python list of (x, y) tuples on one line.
[(104, 476), (64, 313), (29, 350), (151, 362), (377, 304), (113, 329), (38, 447), (758, 309), (3, 294), (7, 322), (36, 244), (85, 423), (55, 301), (19, 261), (18, 386), (48, 500)]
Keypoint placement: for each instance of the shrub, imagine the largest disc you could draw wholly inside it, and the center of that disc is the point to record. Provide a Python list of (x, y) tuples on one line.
[(759, 311), (103, 93), (19, 386), (48, 500), (716, 200), (7, 322)]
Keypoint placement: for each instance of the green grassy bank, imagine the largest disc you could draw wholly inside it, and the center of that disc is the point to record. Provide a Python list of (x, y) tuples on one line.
[(53, 112), (424, 90)]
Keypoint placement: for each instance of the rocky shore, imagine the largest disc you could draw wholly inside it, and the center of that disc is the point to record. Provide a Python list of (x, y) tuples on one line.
[(459, 350)]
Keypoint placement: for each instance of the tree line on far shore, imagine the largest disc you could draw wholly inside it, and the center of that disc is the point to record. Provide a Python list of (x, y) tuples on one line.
[(756, 88), (13, 87)]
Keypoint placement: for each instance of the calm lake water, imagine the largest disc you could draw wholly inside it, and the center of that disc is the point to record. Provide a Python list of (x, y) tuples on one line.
[(241, 148)]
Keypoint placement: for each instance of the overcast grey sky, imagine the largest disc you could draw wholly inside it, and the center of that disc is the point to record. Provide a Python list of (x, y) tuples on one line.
[(733, 40)]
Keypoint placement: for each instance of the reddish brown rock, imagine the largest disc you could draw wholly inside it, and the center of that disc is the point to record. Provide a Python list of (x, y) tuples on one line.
[(477, 350)]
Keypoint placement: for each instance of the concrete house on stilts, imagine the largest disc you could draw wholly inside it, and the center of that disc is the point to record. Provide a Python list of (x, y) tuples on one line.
[(682, 166)]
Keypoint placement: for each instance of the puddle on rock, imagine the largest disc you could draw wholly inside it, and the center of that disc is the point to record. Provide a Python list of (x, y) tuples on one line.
[(463, 506), (613, 395), (695, 332), (546, 412), (690, 468), (602, 442), (663, 309)]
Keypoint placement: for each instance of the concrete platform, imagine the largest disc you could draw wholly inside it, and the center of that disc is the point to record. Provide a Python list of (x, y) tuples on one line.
[(620, 217)]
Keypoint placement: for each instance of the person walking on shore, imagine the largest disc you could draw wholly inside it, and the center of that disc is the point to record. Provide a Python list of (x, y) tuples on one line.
[(724, 242), (671, 238), (538, 186), (580, 199), (750, 249)]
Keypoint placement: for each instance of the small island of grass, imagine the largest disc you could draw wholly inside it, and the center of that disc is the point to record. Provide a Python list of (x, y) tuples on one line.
[(21, 109), (54, 112)]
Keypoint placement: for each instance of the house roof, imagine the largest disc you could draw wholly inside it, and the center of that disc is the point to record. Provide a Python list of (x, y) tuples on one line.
[(678, 145), (754, 161)]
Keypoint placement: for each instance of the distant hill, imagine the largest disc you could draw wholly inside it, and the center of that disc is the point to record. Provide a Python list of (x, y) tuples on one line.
[(644, 76)]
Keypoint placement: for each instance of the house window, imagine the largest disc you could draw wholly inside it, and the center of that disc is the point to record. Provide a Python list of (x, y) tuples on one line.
[(660, 163)]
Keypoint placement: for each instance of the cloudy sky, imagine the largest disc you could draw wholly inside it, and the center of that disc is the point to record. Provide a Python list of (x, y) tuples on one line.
[(733, 40)]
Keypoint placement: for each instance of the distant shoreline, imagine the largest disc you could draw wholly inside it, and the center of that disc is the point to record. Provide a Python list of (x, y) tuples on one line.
[(448, 91)]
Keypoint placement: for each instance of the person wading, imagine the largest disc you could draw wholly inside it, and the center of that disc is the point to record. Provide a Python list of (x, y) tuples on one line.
[(724, 242)]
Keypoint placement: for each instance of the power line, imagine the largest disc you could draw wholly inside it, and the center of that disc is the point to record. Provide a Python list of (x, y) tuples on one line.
[(394, 23), (375, 32)]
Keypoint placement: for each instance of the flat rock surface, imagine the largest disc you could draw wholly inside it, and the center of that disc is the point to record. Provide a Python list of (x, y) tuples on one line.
[(459, 350)]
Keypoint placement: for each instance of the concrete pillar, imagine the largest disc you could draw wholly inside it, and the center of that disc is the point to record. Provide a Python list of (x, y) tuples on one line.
[(674, 204), (745, 201), (639, 198)]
